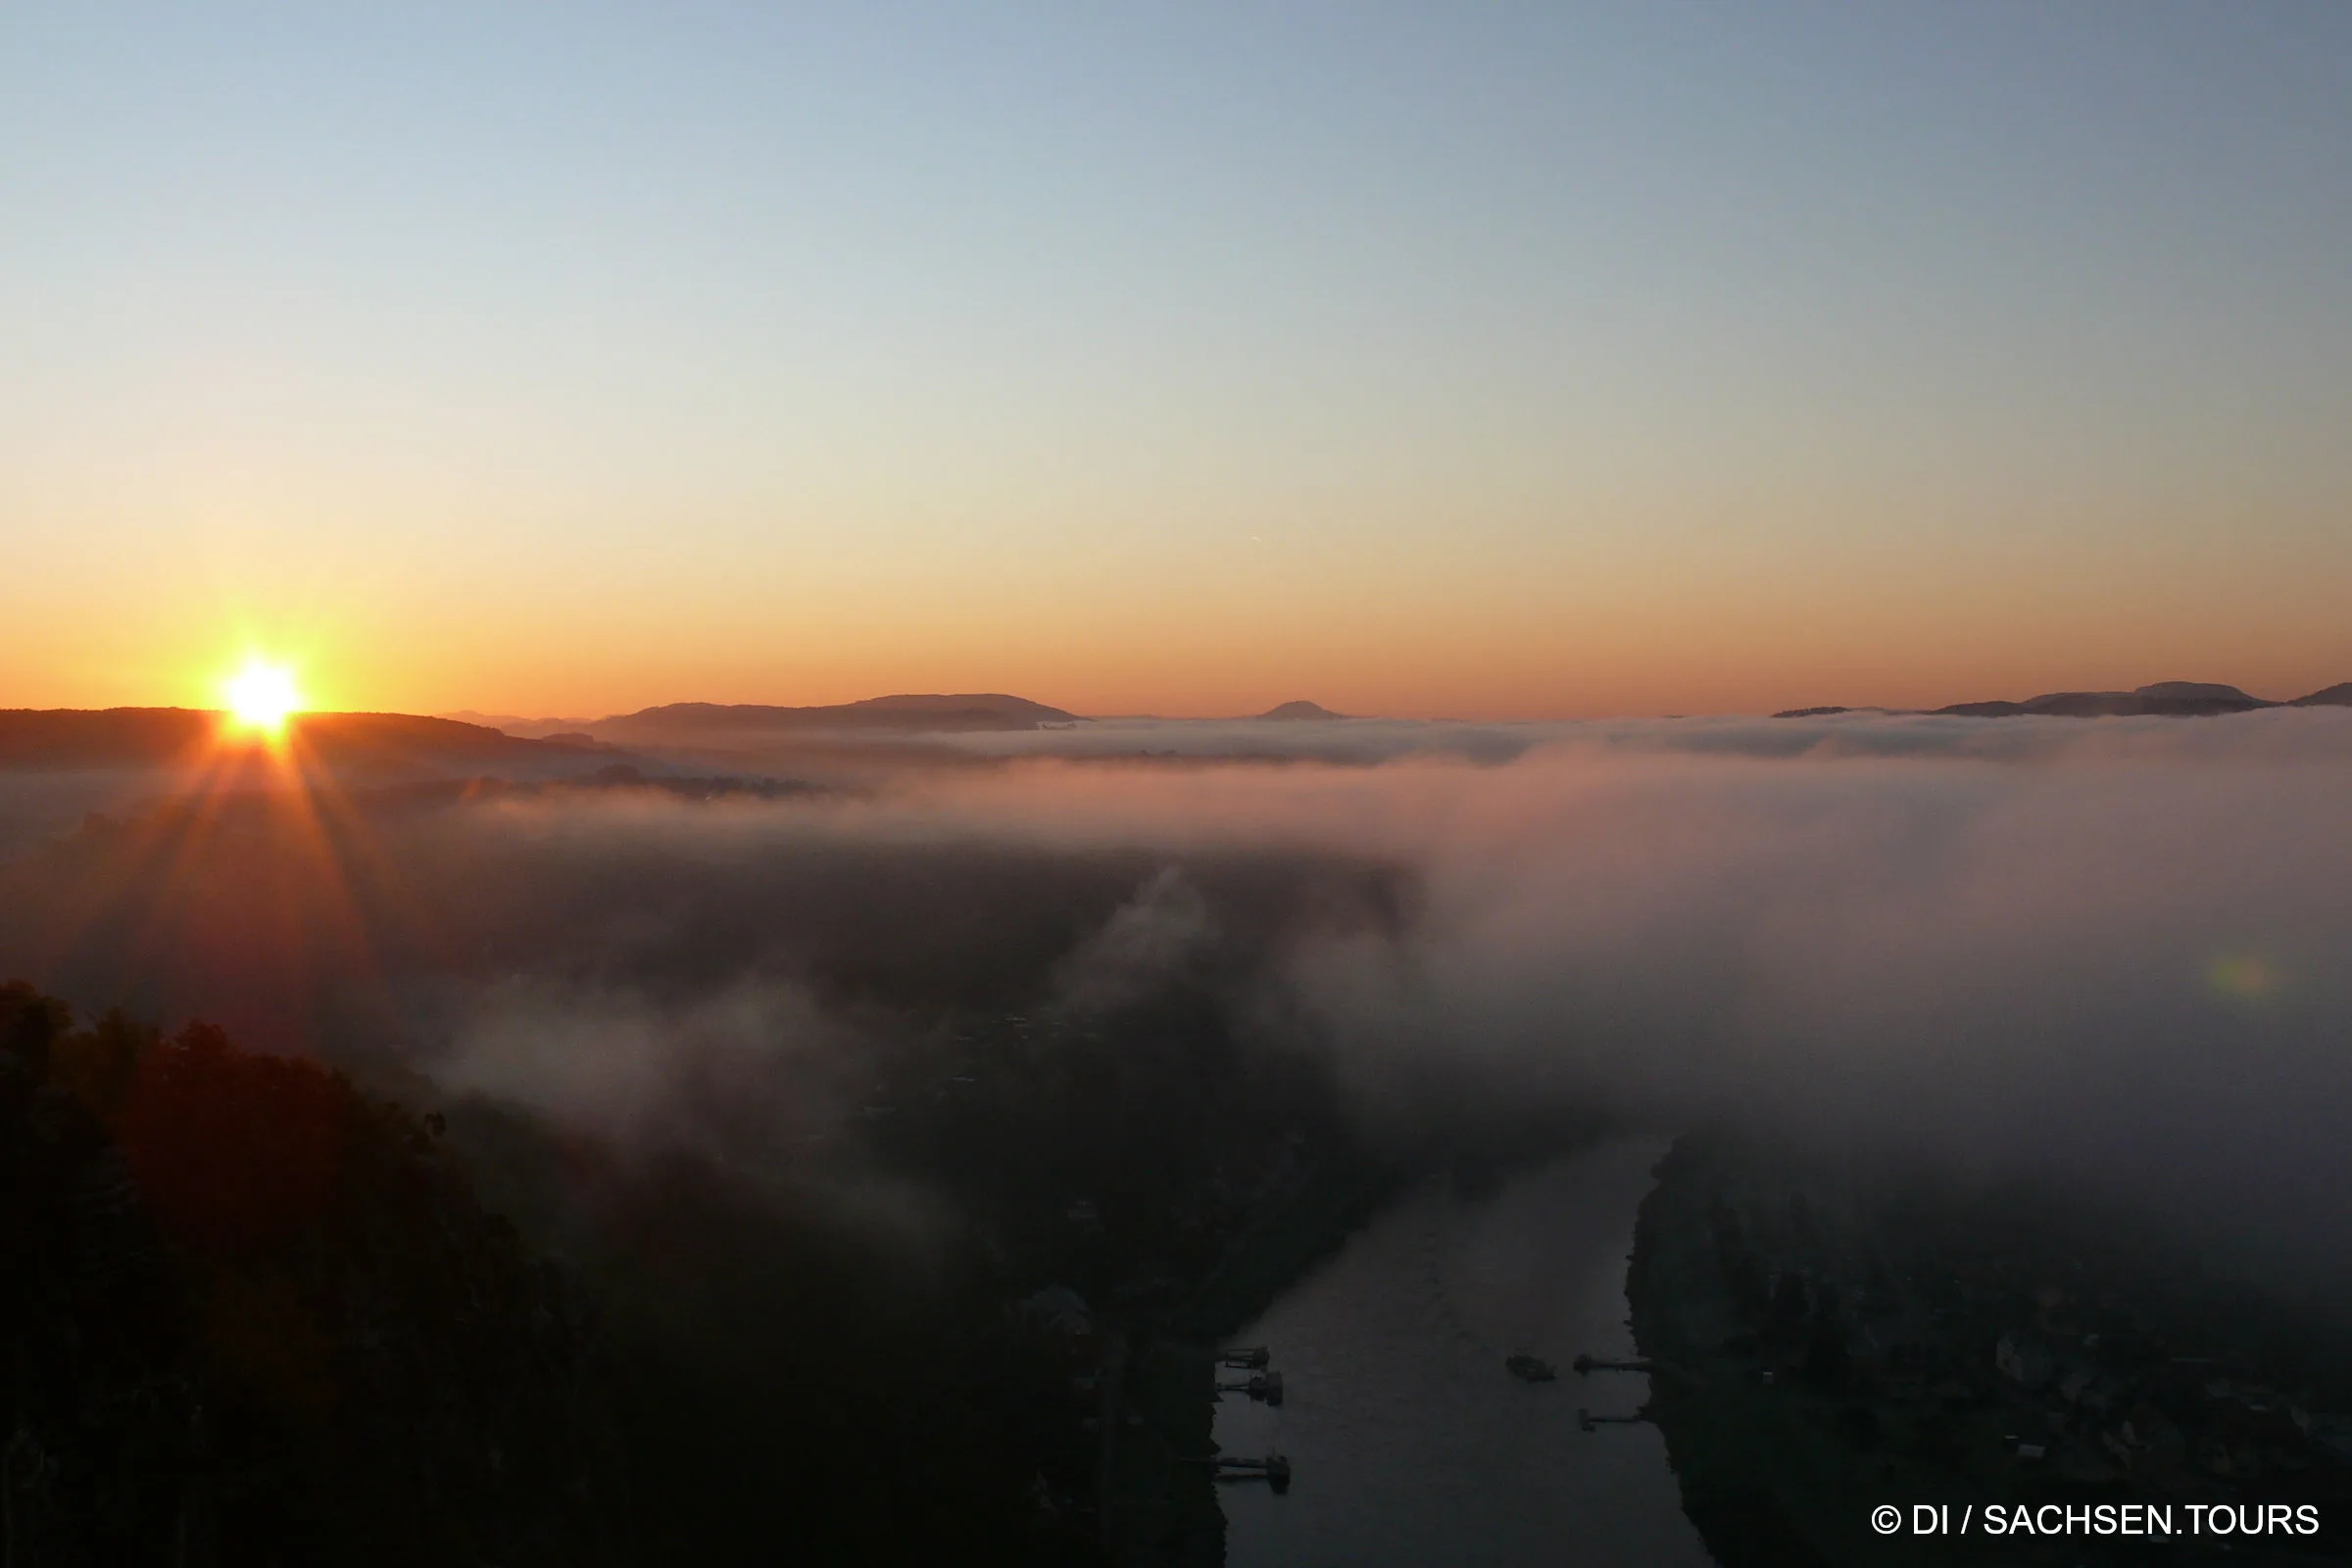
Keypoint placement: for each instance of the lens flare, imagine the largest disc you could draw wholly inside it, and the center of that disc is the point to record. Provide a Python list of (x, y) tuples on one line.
[(2245, 977), (260, 696)]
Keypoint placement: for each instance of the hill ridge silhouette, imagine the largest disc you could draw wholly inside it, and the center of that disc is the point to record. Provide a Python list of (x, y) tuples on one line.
[(2168, 698)]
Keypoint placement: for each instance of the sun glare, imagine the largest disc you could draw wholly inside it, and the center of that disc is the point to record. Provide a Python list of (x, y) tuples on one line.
[(260, 696)]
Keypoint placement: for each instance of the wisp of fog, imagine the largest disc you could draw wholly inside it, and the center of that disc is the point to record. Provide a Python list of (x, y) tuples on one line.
[(2112, 954)]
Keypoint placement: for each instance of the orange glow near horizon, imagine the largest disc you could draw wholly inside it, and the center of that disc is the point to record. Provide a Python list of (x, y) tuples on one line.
[(1521, 648)]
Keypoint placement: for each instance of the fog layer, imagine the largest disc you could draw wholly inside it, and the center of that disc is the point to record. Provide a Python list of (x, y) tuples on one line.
[(2114, 950)]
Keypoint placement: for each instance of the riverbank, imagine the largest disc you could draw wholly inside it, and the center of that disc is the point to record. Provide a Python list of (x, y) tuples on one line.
[(1780, 1466), (1828, 1341), (1159, 1504), (1750, 1484), (1412, 1440)]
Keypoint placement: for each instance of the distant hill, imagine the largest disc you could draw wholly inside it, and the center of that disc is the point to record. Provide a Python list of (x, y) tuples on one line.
[(2170, 698), (2199, 691), (1300, 709), (372, 746), (58, 738), (516, 724), (407, 744), (907, 714)]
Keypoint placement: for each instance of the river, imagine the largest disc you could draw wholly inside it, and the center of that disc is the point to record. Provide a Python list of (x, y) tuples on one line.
[(1410, 1441)]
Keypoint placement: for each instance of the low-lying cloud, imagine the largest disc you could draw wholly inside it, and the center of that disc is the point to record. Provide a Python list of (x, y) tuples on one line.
[(2113, 951), (732, 1075)]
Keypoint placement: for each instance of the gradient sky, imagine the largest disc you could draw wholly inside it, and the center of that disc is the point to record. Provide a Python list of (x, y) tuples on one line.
[(1543, 360)]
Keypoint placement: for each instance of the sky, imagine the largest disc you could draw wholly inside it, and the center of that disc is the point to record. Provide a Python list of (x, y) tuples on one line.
[(1512, 361)]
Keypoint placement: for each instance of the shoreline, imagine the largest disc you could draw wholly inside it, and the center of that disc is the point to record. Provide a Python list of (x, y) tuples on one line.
[(1159, 1507), (1157, 1512), (1784, 1439)]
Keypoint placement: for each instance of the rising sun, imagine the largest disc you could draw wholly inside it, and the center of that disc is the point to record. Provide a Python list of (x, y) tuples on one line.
[(261, 695)]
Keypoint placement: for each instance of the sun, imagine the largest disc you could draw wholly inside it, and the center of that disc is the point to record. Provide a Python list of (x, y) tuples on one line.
[(261, 695)]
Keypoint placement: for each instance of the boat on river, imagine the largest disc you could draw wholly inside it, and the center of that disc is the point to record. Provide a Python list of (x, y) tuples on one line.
[(1531, 1369)]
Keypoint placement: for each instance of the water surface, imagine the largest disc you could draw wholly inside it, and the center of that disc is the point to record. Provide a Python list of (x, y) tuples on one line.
[(1412, 1445)]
